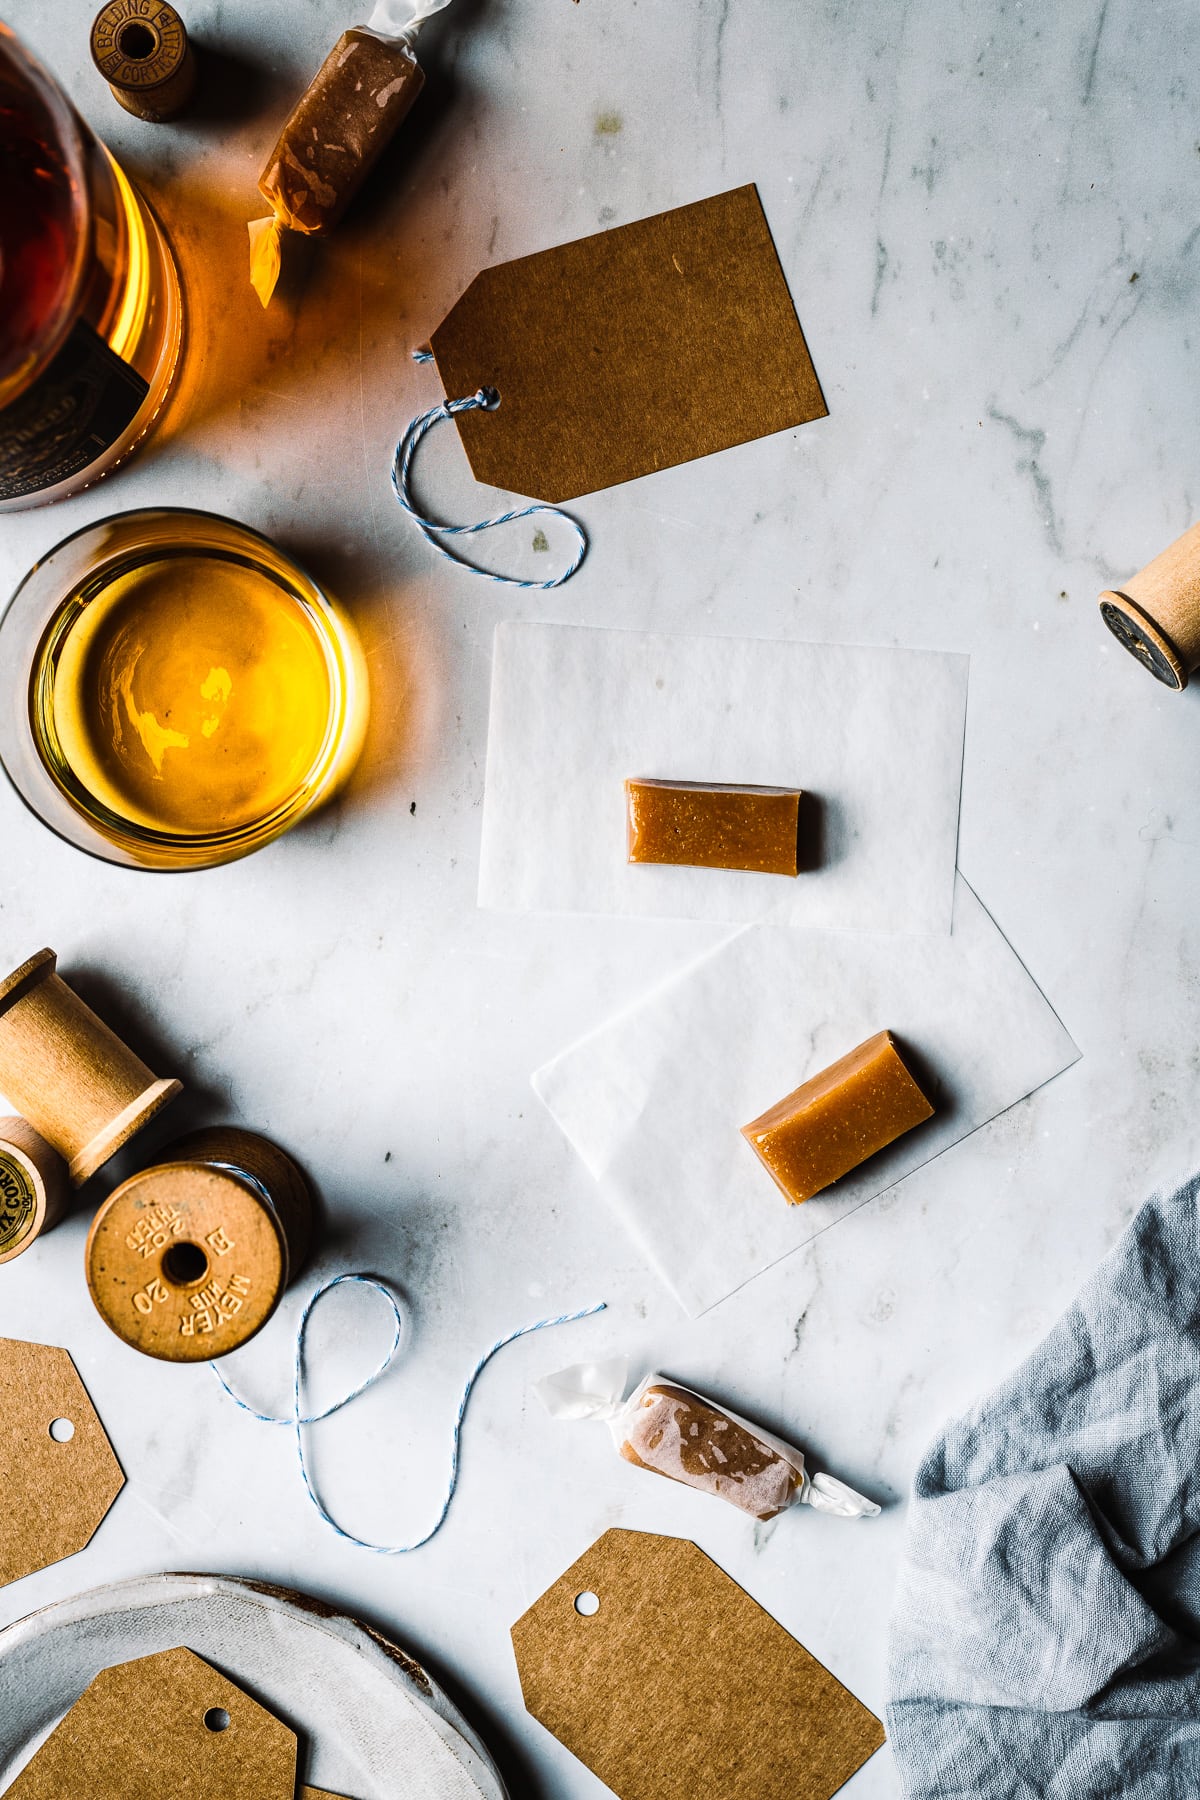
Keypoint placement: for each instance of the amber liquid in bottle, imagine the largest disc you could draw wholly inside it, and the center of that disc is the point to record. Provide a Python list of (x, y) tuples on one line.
[(90, 315)]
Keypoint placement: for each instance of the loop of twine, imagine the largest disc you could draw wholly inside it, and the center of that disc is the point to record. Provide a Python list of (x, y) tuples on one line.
[(297, 1419), (485, 400)]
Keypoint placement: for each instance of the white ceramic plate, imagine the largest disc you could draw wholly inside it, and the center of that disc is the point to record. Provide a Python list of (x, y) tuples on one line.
[(371, 1723)]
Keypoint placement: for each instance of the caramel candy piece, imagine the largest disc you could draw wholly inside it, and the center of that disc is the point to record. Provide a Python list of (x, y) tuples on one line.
[(338, 127), (676, 1434), (713, 825), (838, 1119)]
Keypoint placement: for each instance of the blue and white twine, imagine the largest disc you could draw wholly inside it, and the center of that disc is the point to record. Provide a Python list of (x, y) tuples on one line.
[(485, 400), (297, 1419)]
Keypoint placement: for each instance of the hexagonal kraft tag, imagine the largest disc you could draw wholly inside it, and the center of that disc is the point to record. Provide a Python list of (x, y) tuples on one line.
[(58, 1473), (169, 1726)]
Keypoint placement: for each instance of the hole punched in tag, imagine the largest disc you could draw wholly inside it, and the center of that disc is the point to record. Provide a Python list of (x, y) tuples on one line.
[(485, 399), (62, 1430), (587, 1605), (217, 1719)]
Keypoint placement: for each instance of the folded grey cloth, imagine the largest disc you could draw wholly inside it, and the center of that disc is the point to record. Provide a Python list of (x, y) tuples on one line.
[(1046, 1632)]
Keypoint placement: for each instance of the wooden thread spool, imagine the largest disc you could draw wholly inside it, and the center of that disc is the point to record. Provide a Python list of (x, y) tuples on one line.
[(188, 1259), (1156, 615), (33, 1187), (67, 1073), (141, 48)]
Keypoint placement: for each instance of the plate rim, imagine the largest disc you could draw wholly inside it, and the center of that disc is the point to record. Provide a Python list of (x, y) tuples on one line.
[(397, 1664)]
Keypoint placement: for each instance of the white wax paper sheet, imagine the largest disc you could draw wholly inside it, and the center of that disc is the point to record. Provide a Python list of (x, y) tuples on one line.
[(654, 1100), (874, 735)]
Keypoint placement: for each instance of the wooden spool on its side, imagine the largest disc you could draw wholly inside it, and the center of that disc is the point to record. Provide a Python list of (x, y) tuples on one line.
[(187, 1260), (79, 1086), (33, 1187), (1156, 614)]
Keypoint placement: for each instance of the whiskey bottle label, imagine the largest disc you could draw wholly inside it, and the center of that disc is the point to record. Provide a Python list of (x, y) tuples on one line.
[(80, 405)]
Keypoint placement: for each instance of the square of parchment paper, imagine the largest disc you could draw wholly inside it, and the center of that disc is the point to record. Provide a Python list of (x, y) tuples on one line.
[(874, 735), (654, 1100)]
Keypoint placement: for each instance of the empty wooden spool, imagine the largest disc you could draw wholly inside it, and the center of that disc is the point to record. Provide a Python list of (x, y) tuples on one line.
[(188, 1259), (1156, 613), (67, 1073), (33, 1187), (141, 48)]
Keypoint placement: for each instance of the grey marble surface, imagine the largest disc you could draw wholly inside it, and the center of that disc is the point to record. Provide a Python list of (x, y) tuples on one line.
[(986, 216)]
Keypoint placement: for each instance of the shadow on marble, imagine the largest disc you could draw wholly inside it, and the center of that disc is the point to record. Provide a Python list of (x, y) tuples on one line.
[(230, 86), (144, 1034), (407, 659), (524, 1778), (398, 1237)]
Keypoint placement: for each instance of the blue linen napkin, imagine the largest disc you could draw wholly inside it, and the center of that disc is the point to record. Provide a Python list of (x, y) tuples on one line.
[(1046, 1633)]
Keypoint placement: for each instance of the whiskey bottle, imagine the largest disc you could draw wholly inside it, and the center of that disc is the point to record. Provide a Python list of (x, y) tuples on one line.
[(90, 312)]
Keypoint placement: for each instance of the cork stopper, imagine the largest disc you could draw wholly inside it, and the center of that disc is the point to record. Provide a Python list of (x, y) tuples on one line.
[(1156, 613), (141, 48), (187, 1260), (78, 1085), (33, 1187)]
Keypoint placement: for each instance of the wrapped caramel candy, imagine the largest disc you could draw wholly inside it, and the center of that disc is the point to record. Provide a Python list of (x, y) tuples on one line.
[(335, 132), (676, 1432)]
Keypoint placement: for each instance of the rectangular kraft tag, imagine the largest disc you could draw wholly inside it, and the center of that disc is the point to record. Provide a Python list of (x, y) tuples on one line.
[(661, 1674), (641, 347)]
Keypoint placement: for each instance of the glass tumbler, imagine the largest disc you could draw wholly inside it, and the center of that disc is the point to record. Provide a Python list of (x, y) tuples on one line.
[(175, 691)]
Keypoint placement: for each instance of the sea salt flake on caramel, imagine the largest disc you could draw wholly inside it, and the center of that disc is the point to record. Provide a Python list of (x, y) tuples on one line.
[(839, 1118), (676, 1434), (713, 825)]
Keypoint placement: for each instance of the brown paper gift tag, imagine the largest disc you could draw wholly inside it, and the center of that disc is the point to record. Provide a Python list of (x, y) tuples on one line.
[(53, 1495), (629, 351), (680, 1686), (168, 1727)]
